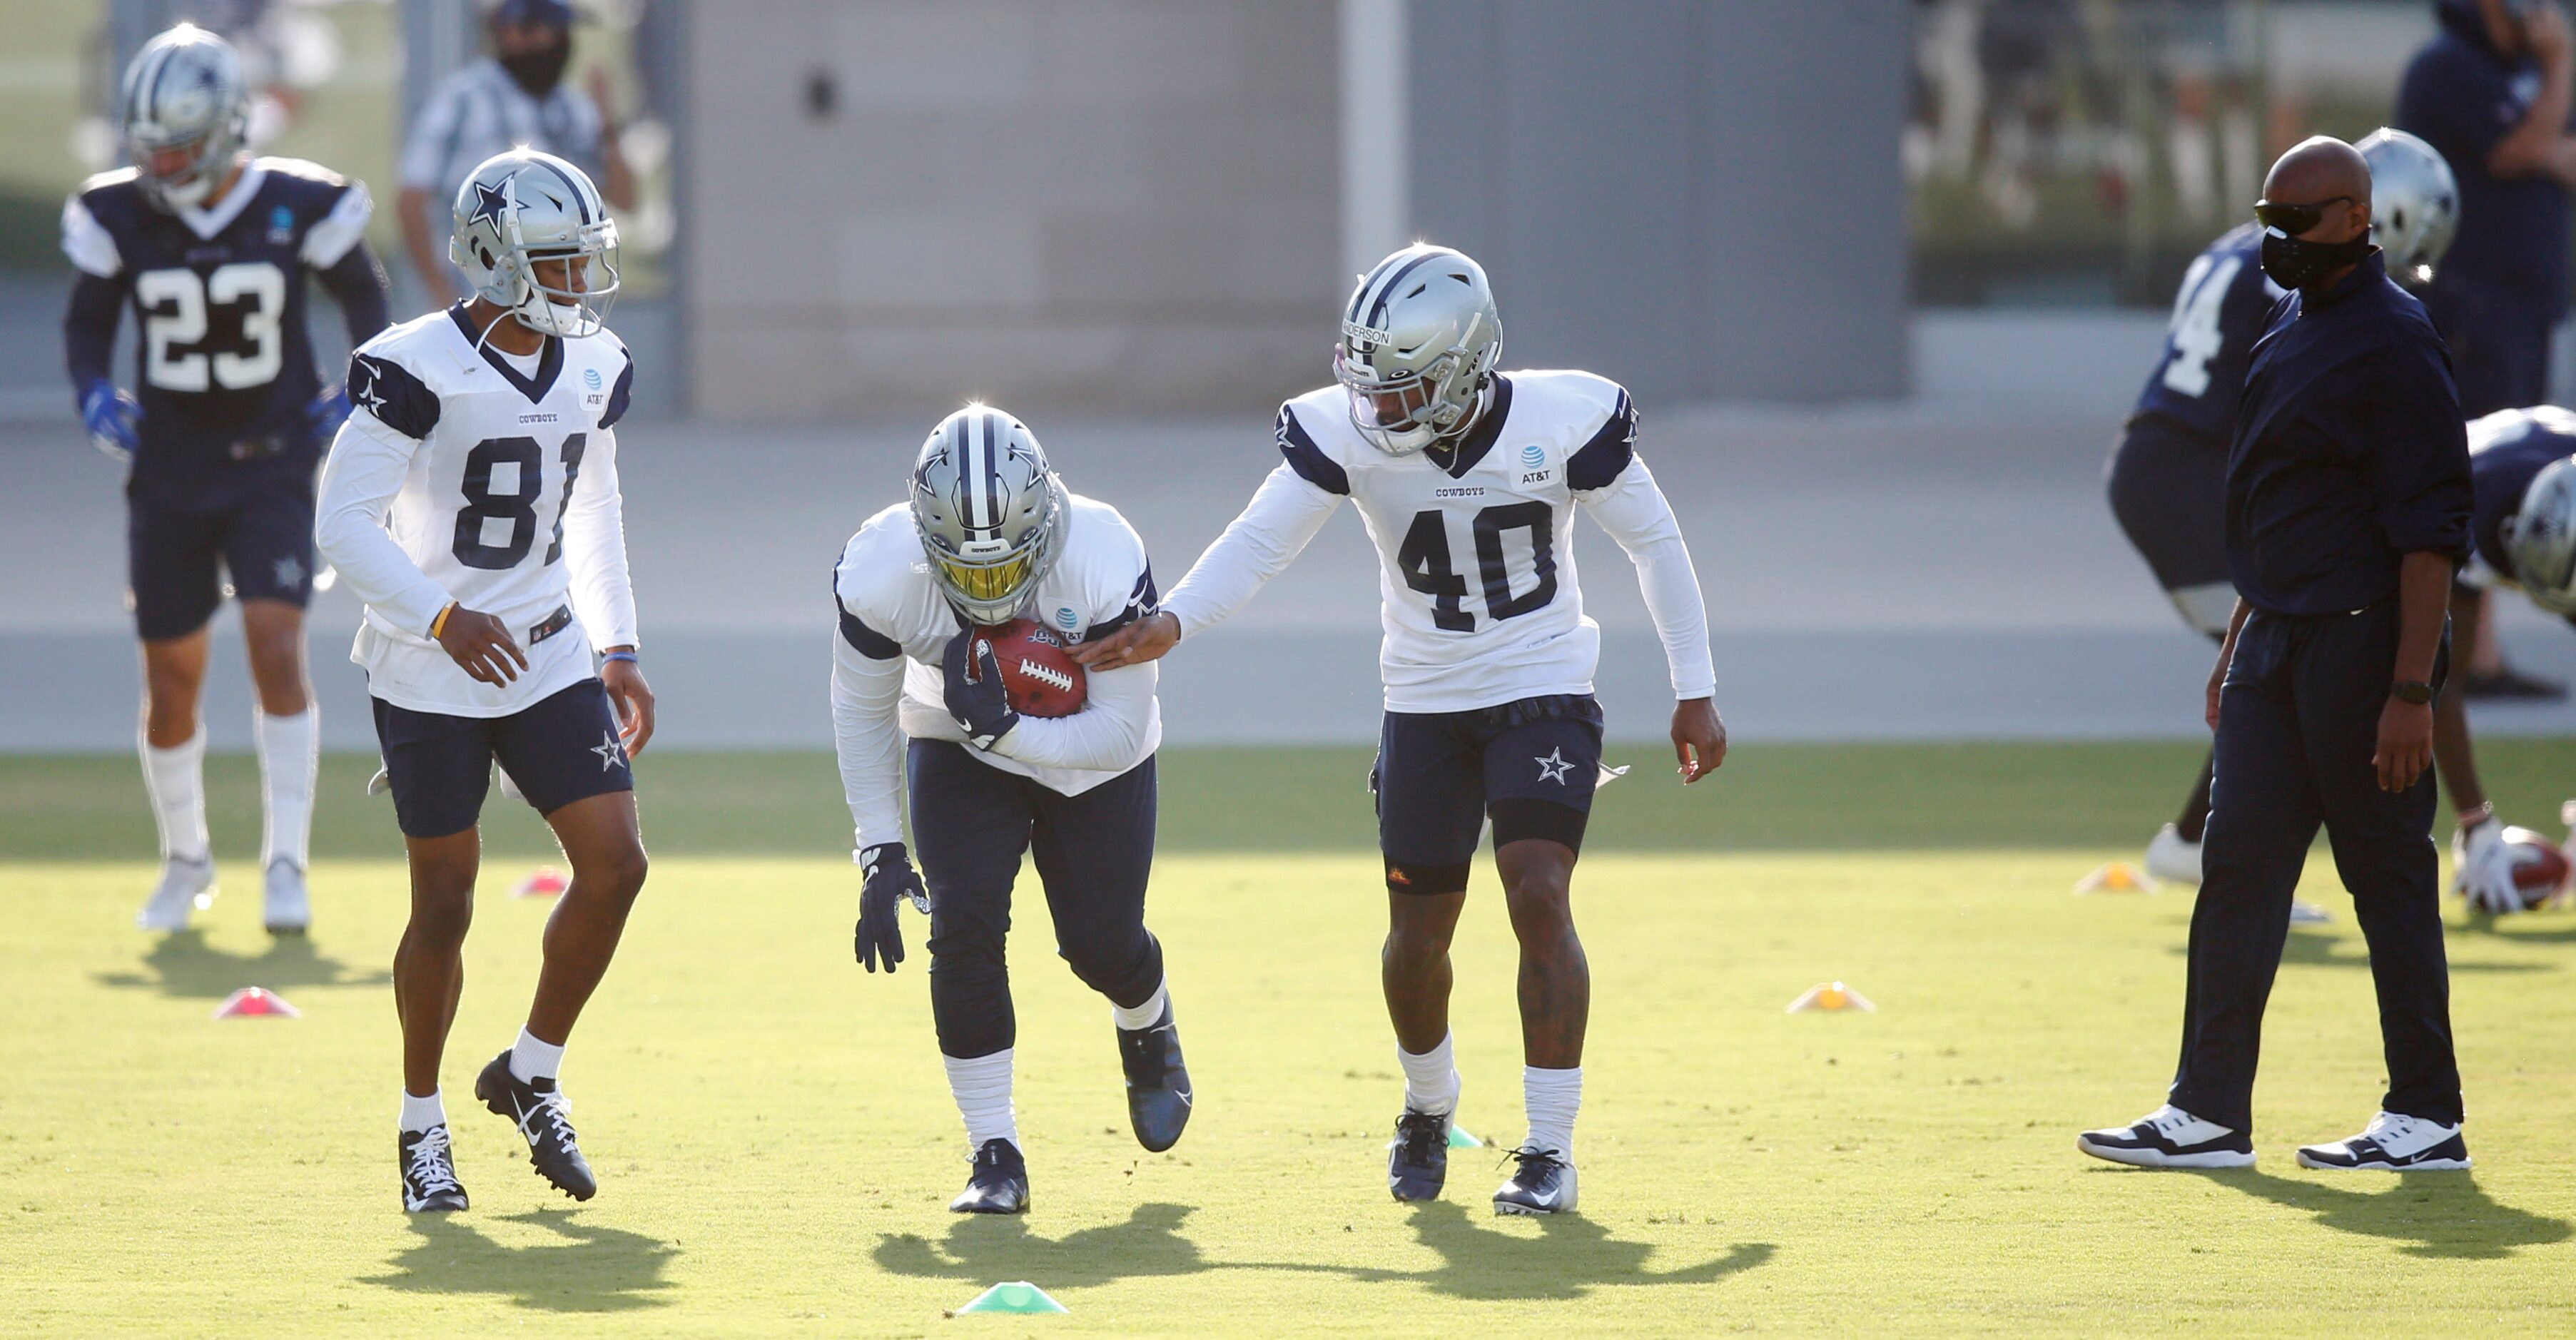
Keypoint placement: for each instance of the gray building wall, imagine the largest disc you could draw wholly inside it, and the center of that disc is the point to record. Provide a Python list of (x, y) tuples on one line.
[(1114, 205)]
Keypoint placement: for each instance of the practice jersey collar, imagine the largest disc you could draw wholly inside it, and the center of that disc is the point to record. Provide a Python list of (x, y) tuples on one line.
[(1480, 439), (550, 358), (206, 223)]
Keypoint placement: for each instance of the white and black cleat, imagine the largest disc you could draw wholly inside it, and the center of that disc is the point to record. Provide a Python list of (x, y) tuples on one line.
[(2173, 858), (429, 1173), (544, 1118), (186, 886), (2393, 1142), (999, 1184), (1417, 1159), (1543, 1184), (286, 909), (2170, 1138), (1158, 1083)]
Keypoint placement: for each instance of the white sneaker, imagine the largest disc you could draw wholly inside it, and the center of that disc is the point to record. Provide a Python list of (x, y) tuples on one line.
[(2172, 859), (2170, 1138), (185, 886), (2393, 1142), (289, 910)]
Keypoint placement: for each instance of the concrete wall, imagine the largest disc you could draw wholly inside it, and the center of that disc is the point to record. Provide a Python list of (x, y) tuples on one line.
[(1079, 205)]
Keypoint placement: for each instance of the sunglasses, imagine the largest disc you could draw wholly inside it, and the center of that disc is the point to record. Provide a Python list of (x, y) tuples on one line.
[(2292, 220)]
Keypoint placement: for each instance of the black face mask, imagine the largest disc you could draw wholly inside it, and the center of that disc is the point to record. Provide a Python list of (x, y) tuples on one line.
[(540, 70), (2295, 264)]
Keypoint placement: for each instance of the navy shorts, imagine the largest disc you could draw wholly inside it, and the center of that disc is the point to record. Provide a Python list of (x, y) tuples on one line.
[(1530, 764), (265, 544), (560, 749)]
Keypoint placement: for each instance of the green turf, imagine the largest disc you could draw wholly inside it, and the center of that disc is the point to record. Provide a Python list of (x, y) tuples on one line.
[(776, 1145)]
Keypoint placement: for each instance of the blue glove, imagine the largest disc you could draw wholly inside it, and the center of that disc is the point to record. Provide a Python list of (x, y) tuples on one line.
[(327, 412), (111, 415), (974, 692), (889, 881)]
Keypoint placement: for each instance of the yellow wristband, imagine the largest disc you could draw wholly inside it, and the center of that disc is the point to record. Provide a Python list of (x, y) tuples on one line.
[(438, 625)]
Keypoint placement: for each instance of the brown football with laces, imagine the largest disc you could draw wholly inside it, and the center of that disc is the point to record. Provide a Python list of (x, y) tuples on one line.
[(1039, 676)]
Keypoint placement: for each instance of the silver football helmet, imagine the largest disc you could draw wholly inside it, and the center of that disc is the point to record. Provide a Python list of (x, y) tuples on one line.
[(183, 110), (520, 209), (990, 512), (2540, 540), (1420, 338), (2414, 203)]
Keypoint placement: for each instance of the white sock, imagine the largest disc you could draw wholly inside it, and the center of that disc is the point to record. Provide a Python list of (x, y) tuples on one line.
[(1143, 1016), (532, 1058), (982, 1087), (1431, 1079), (420, 1114), (287, 757), (176, 777), (1553, 1097)]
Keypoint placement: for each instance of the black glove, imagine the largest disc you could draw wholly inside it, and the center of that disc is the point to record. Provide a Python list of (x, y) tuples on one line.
[(889, 879), (975, 694)]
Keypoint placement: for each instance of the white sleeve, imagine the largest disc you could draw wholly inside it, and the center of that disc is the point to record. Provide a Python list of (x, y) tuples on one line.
[(595, 547), (1117, 710), (1275, 527), (1635, 513), (326, 242), (366, 468), (865, 692), (89, 246)]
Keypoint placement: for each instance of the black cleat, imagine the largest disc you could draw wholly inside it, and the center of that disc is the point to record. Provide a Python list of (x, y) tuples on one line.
[(1000, 1184), (1543, 1184), (429, 1173), (1417, 1159), (1158, 1084), (544, 1118)]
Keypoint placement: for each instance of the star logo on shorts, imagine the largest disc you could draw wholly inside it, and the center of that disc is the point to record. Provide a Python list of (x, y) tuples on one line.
[(610, 751), (1553, 767), (290, 574)]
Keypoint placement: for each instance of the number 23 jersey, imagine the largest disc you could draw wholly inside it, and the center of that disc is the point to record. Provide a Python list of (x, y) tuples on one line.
[(461, 477)]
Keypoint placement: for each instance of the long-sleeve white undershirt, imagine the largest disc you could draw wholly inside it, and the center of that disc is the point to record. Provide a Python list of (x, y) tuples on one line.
[(1284, 516), (865, 692), (365, 470)]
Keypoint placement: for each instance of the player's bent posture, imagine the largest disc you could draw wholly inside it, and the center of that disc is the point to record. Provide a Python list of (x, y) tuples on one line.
[(990, 536), (210, 247), (471, 500), (1467, 480)]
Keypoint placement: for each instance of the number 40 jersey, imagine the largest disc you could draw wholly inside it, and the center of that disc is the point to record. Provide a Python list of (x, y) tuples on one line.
[(466, 475), (1475, 543)]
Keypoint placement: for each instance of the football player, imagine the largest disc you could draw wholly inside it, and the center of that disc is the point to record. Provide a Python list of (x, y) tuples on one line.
[(1467, 480), (471, 500), (2168, 475), (210, 248), (991, 535)]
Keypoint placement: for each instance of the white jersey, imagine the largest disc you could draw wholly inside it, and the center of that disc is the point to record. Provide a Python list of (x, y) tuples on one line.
[(888, 680), (464, 477), (1476, 579)]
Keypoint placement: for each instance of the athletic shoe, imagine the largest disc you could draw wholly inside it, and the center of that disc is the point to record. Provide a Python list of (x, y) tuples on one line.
[(2173, 858), (429, 1173), (544, 1117), (999, 1184), (2305, 913), (1543, 1184), (1417, 1159), (288, 910), (2393, 1142), (2170, 1138), (2509, 684), (1158, 1084), (185, 886)]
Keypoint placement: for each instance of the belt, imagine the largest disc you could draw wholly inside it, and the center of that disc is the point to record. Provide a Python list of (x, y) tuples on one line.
[(550, 625)]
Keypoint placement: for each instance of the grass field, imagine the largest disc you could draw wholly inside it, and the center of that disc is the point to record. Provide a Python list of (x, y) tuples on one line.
[(776, 1145)]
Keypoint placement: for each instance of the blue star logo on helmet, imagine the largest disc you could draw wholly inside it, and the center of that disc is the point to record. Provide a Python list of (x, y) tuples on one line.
[(1533, 455), (590, 378), (488, 203), (1067, 617)]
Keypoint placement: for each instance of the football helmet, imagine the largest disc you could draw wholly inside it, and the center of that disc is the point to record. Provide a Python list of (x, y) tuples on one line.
[(183, 96), (990, 512), (2541, 538), (1420, 337), (523, 207), (2414, 203)]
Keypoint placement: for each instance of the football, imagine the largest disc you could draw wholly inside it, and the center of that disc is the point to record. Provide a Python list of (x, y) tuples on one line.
[(2540, 867), (1041, 678)]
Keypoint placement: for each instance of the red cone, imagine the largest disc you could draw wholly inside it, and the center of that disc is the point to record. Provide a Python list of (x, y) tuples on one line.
[(543, 882), (253, 1002)]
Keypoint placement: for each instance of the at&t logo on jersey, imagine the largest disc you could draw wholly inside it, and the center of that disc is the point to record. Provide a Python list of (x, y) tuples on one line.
[(590, 378), (1534, 457), (1066, 619)]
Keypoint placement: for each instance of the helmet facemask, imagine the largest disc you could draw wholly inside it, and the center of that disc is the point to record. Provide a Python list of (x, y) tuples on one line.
[(987, 551), (568, 311), (523, 214), (184, 95), (1420, 340)]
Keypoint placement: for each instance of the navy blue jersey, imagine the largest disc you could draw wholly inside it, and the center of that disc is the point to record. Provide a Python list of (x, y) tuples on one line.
[(224, 370), (2506, 449), (2216, 317)]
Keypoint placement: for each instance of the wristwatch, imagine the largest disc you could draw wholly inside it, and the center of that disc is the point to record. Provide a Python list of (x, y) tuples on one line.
[(2411, 691)]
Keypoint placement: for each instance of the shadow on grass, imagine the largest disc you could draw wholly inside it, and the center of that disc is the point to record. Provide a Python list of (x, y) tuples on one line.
[(2308, 947), (1570, 1257), (2433, 1214), (594, 1269), (183, 965)]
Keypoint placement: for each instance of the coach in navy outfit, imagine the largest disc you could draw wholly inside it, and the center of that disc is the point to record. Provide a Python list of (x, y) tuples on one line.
[(2348, 505)]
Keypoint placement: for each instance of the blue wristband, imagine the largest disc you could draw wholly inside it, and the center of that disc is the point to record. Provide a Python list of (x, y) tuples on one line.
[(626, 656)]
